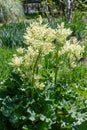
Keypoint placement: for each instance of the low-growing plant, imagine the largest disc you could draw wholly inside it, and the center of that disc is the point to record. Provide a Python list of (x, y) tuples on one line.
[(11, 35), (39, 94)]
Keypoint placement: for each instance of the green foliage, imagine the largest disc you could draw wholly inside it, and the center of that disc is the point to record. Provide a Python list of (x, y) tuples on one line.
[(20, 111), (80, 5), (43, 92), (11, 35), (77, 76), (10, 10), (5, 57), (77, 27)]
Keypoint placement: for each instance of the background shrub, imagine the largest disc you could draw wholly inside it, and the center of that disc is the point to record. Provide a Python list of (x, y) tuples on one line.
[(10, 10), (77, 27)]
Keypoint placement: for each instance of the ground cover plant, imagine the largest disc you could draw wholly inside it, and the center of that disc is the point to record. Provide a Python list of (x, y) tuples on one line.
[(11, 35), (47, 86)]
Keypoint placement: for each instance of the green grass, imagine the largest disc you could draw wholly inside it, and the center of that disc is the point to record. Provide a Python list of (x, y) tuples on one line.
[(5, 58)]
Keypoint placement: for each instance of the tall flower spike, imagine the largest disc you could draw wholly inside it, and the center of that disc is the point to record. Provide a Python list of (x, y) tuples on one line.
[(62, 33), (40, 20)]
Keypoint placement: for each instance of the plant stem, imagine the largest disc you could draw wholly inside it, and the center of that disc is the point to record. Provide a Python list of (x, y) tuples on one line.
[(35, 67), (56, 65)]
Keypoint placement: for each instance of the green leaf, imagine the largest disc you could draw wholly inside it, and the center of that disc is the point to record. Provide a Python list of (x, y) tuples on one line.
[(14, 118), (32, 118), (42, 117)]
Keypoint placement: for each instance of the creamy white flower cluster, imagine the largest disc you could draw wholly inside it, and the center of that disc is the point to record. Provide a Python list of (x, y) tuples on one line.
[(73, 50), (39, 39), (62, 33)]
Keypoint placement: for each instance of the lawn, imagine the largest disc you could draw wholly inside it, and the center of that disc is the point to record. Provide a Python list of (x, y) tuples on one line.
[(5, 58)]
